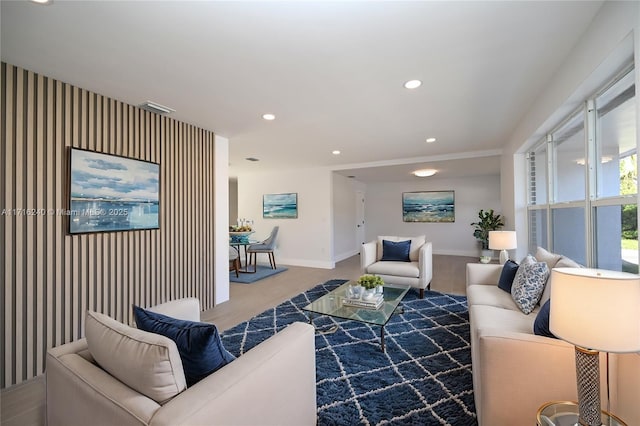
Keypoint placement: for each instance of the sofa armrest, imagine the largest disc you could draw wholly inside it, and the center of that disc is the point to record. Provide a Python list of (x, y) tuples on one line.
[(483, 273), (272, 384), (425, 263), (367, 255), (78, 392), (519, 372), (187, 309)]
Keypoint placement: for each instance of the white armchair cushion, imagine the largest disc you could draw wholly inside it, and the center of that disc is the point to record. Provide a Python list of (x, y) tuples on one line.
[(147, 362), (401, 269), (416, 243)]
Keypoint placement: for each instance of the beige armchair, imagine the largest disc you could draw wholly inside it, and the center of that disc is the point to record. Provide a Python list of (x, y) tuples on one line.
[(80, 392), (416, 273)]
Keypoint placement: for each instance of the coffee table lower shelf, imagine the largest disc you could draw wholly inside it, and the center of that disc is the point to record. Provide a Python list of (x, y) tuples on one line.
[(331, 304)]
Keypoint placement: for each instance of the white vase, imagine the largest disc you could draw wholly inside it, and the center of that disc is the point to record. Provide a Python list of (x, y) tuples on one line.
[(369, 294)]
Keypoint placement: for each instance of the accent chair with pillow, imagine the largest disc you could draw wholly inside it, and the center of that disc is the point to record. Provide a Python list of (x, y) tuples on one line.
[(127, 376), (399, 260)]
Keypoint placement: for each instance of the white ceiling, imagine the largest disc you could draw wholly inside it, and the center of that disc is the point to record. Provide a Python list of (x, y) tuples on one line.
[(332, 72)]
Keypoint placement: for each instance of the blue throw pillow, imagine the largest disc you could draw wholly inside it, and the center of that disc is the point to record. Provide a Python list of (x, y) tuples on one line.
[(399, 252), (541, 324), (507, 275), (198, 343)]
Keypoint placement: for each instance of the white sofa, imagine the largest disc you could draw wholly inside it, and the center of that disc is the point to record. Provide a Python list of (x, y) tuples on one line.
[(516, 371), (417, 273), (272, 384)]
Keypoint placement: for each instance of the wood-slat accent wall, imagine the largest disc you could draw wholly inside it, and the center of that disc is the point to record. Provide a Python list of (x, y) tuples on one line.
[(51, 278)]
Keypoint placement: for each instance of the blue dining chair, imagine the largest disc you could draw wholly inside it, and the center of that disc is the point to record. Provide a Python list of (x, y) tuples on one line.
[(266, 246)]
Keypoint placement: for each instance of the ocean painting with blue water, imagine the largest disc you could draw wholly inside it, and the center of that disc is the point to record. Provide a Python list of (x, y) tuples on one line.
[(430, 206), (111, 193), (280, 206)]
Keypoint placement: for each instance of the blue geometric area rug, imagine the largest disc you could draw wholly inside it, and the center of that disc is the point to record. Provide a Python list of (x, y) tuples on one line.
[(262, 272), (424, 378)]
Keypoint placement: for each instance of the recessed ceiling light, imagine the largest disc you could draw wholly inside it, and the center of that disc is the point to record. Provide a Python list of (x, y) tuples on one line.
[(42, 1), (431, 140), (335, 152), (413, 84), (425, 172), (269, 117)]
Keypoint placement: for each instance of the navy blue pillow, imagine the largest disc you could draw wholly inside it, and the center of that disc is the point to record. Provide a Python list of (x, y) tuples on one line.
[(198, 343), (507, 275), (541, 324), (398, 252)]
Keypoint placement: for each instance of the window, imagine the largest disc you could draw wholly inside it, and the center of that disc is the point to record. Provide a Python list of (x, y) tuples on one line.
[(538, 175), (569, 170), (583, 182), (616, 135)]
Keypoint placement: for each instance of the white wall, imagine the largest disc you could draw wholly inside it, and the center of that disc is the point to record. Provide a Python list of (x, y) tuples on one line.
[(221, 219), (383, 215), (606, 44), (233, 201), (344, 216), (305, 241)]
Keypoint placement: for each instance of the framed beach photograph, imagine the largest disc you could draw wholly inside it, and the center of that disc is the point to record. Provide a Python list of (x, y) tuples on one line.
[(112, 193), (280, 206), (428, 206)]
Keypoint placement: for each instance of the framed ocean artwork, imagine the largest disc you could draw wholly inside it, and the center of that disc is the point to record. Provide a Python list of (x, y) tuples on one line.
[(112, 193), (428, 206), (280, 206)]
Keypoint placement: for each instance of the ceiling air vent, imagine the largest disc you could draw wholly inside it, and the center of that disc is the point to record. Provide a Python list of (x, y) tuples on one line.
[(156, 107)]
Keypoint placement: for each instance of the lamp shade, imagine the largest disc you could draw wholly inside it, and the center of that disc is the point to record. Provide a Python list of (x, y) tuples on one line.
[(596, 309), (502, 240)]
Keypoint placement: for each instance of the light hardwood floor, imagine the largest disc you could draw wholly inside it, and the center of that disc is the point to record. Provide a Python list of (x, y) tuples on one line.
[(24, 404)]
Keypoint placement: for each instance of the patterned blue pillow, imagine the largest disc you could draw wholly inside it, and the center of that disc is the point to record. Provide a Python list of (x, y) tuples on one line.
[(528, 285), (199, 344), (396, 251)]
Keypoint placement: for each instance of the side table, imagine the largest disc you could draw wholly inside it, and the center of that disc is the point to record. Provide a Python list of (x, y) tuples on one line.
[(565, 413)]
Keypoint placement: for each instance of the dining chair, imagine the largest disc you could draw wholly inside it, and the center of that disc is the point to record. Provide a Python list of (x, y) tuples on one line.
[(234, 260), (266, 246)]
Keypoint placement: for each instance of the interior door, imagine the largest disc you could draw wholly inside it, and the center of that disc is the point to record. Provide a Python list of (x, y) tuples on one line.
[(359, 219)]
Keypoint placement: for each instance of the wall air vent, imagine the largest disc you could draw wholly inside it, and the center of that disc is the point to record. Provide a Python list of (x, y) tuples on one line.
[(251, 159), (156, 107)]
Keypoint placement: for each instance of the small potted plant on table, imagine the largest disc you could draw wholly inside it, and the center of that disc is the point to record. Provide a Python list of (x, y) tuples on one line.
[(372, 283)]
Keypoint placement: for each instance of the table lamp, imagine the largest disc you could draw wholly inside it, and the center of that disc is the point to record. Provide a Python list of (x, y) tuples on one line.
[(595, 310), (503, 240)]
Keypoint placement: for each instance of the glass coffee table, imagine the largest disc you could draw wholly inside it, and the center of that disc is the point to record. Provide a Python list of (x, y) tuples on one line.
[(332, 304)]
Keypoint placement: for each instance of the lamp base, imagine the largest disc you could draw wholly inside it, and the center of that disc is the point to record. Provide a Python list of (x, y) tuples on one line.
[(588, 375), (504, 256)]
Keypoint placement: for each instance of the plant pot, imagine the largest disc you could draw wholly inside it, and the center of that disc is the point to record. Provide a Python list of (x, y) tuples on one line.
[(369, 294), (486, 256)]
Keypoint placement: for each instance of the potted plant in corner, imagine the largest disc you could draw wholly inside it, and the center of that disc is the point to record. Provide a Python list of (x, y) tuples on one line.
[(489, 221)]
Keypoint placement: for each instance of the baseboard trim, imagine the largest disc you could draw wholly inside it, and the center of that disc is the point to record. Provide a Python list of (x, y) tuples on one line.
[(322, 264), (346, 255)]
